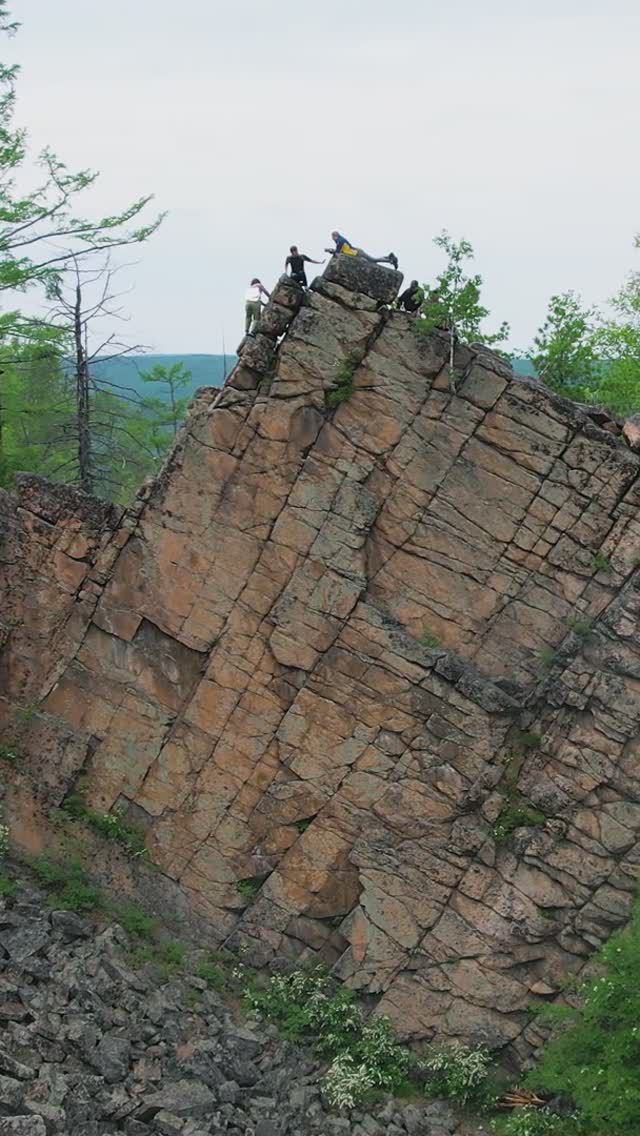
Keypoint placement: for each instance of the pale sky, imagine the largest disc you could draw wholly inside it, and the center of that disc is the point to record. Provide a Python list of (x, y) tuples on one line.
[(263, 123)]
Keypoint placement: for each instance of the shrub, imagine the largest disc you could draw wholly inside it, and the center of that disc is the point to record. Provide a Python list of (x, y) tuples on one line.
[(459, 1073), (135, 921), (531, 1121), (365, 1053), (7, 887), (547, 657), (582, 628), (594, 1056), (250, 887), (112, 826), (343, 389), (67, 883), (211, 973), (9, 754), (516, 814)]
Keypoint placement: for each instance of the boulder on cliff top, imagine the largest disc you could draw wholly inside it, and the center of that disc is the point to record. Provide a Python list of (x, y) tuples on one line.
[(361, 275)]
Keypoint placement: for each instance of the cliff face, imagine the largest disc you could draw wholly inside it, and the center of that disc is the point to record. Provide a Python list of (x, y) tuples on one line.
[(340, 654)]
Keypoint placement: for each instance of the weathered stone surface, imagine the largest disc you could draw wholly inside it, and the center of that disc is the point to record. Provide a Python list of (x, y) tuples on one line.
[(357, 274), (328, 648)]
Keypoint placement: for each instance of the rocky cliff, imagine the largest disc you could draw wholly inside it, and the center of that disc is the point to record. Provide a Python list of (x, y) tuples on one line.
[(368, 673)]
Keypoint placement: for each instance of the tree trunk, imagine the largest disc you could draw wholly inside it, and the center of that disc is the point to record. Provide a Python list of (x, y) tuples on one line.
[(85, 467)]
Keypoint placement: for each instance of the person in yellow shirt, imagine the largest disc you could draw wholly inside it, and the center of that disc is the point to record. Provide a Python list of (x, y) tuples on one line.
[(345, 247)]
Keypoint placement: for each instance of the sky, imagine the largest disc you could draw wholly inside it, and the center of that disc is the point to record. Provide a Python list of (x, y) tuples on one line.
[(265, 123)]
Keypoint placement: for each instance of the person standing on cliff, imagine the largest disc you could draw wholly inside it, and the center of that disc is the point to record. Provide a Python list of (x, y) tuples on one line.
[(253, 305), (347, 249), (296, 262)]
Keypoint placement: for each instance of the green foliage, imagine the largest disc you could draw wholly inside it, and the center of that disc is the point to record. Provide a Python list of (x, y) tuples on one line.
[(547, 657), (533, 1121), (303, 824), (166, 414), (595, 1059), (601, 563), (67, 882), (112, 826), (455, 302), (364, 1052), (8, 887), (212, 973), (516, 813), (460, 1074), (429, 640), (563, 352), (249, 888), (583, 628), (136, 922), (343, 389), (528, 740), (9, 753)]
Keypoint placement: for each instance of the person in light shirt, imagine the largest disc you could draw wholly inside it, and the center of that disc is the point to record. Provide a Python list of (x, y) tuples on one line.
[(253, 305)]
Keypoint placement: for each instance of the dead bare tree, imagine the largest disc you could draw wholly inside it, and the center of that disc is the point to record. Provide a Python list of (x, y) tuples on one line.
[(85, 296)]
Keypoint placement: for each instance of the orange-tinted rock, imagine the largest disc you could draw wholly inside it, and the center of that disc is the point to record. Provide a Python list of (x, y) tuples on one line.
[(331, 644)]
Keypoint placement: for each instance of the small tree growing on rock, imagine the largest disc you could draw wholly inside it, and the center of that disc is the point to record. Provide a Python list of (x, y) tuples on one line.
[(454, 304)]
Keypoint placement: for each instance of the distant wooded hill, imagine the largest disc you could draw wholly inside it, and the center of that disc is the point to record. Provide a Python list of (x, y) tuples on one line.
[(125, 372), (206, 371)]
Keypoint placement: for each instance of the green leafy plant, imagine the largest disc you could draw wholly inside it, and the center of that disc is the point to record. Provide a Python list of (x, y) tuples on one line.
[(594, 1056), (9, 753), (112, 826), (459, 1073), (7, 887), (533, 1121), (343, 388), (135, 921), (303, 824), (67, 882), (212, 973), (516, 813), (249, 888), (601, 563), (364, 1052)]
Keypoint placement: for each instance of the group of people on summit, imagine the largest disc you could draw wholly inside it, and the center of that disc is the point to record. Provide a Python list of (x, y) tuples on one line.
[(409, 301)]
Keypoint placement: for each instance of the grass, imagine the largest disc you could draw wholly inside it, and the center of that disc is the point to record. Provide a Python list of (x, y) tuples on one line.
[(7, 887), (601, 563), (528, 740), (136, 922), (429, 640), (211, 973), (9, 753), (67, 883), (547, 657), (112, 826)]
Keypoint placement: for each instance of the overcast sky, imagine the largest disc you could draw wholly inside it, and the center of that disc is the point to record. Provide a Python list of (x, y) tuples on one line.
[(269, 122)]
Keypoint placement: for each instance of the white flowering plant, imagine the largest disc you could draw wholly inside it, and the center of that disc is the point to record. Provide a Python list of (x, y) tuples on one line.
[(365, 1053), (532, 1121), (459, 1073)]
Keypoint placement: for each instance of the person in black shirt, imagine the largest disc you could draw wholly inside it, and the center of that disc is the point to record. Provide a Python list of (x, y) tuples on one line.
[(411, 298), (296, 262)]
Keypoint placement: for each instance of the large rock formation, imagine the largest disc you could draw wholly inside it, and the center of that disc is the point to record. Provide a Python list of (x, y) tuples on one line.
[(377, 664)]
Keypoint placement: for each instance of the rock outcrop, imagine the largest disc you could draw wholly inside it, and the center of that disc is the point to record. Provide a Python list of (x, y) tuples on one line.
[(377, 663)]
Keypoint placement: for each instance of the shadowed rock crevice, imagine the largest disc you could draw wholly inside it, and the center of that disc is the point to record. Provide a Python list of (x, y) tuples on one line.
[(312, 652)]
